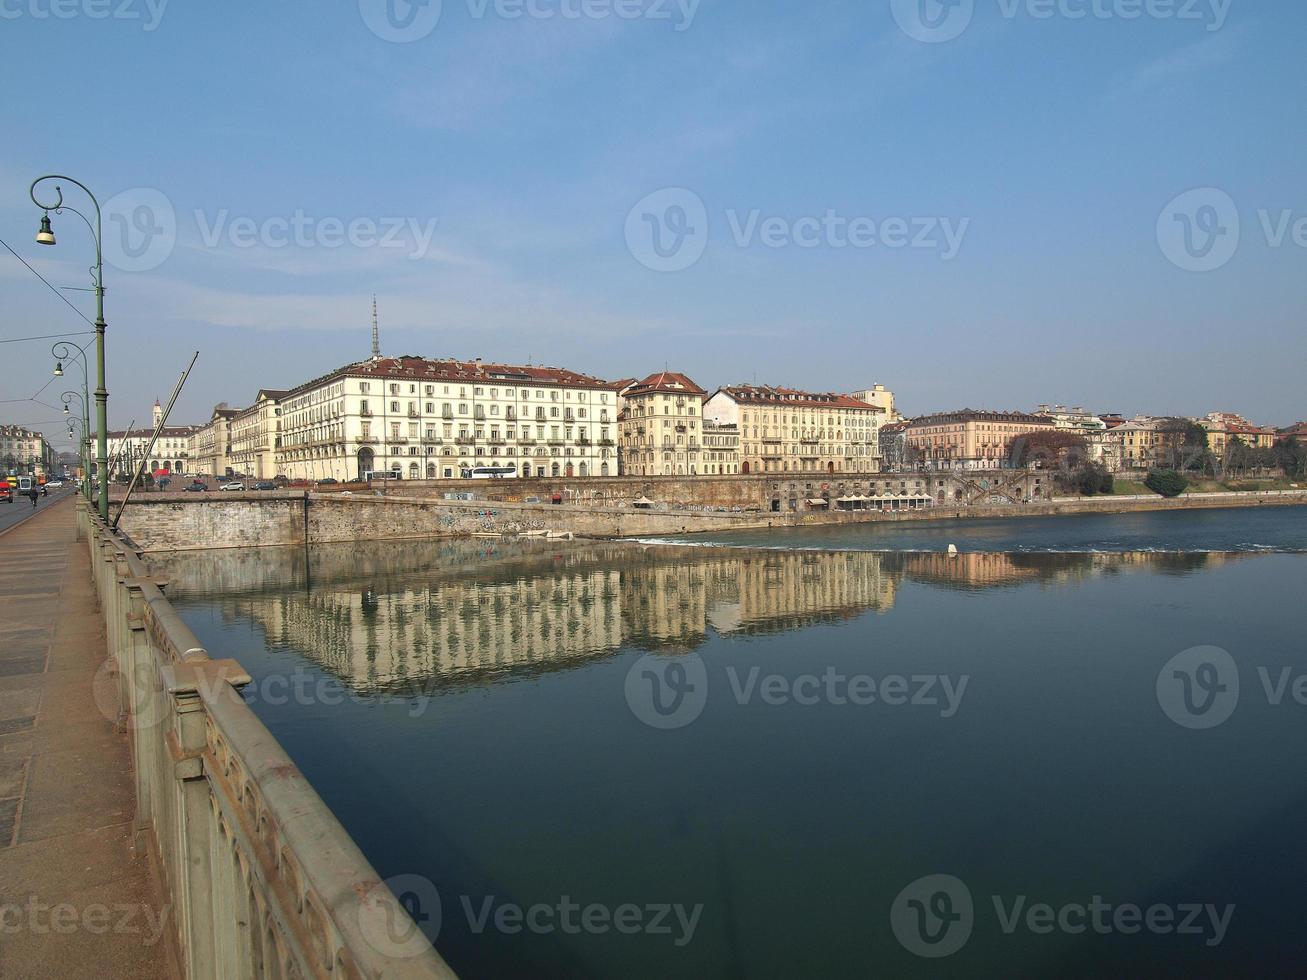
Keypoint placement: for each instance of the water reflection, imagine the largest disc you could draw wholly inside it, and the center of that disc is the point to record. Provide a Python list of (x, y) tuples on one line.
[(388, 618)]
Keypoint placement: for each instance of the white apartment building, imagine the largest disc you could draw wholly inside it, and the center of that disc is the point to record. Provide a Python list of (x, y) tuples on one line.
[(256, 436), (661, 420), (211, 442), (721, 448), (171, 452), (783, 430), (444, 419)]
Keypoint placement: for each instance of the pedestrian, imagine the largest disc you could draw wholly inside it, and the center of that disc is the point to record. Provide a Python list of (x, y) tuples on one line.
[(33, 493)]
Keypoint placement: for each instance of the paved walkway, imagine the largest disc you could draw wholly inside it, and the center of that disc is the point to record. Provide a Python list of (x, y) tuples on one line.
[(75, 899)]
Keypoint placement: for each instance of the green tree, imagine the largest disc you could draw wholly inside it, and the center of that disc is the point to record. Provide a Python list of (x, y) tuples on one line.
[(1167, 483), (1291, 456)]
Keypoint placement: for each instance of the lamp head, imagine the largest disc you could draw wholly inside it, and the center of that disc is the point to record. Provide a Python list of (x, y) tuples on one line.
[(46, 235), (58, 369)]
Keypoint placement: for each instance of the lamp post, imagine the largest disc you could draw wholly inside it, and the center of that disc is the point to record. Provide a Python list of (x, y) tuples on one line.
[(84, 450), (45, 236), (62, 351)]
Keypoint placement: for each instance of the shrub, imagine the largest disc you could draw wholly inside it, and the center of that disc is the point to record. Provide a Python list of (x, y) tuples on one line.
[(1167, 483)]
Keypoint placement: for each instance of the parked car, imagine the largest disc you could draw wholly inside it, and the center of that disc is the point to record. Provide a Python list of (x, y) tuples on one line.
[(264, 485), (6, 491), (55, 484), (236, 485), (328, 482), (196, 487)]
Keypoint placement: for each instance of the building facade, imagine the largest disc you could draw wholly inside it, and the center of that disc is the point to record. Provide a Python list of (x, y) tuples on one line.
[(783, 430), (256, 436), (24, 450), (880, 397), (211, 442), (442, 419), (721, 448), (171, 452), (661, 426), (970, 438)]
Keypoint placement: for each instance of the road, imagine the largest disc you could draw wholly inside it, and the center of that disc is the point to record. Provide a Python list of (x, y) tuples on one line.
[(21, 509)]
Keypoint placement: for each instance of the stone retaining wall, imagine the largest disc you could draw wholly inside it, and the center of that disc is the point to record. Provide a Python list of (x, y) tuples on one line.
[(189, 522)]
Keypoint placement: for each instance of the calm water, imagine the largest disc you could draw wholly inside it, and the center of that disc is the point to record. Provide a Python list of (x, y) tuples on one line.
[(498, 736)]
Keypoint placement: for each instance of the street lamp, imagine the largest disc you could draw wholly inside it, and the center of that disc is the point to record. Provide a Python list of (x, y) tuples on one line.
[(83, 445), (69, 352), (45, 236)]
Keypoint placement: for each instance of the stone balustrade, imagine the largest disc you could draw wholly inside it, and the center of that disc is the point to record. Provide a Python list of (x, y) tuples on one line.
[(262, 880)]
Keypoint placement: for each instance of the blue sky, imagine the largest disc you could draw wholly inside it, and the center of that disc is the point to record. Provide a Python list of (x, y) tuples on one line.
[(1050, 145)]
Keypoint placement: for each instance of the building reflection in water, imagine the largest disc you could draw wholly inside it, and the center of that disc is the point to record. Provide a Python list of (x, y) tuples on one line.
[(392, 618)]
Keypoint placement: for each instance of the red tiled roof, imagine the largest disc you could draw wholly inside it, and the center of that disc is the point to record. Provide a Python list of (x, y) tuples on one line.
[(770, 395), (465, 372), (669, 382)]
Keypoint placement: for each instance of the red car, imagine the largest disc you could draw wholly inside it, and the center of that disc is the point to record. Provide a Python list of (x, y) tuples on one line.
[(6, 491)]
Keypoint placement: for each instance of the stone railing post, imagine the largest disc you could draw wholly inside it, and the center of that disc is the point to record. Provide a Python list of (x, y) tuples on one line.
[(194, 898)]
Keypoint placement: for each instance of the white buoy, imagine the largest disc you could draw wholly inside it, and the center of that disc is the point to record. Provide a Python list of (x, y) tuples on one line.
[(953, 550)]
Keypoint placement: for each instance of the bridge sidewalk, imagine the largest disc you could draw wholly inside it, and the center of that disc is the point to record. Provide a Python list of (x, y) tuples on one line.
[(76, 900)]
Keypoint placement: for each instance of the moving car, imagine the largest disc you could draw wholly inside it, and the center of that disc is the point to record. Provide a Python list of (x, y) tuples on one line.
[(264, 485), (236, 485), (55, 485), (196, 487), (6, 491)]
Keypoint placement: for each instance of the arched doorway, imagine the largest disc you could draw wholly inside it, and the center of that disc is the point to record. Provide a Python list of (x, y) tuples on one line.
[(554, 470), (830, 467), (744, 468), (569, 471), (585, 470), (431, 471), (412, 471), (603, 469), (367, 460)]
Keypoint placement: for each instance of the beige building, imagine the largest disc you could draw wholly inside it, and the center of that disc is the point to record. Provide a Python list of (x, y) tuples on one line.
[(721, 448), (256, 436), (211, 442), (970, 439), (661, 426), (783, 430), (428, 419), (25, 451), (880, 397)]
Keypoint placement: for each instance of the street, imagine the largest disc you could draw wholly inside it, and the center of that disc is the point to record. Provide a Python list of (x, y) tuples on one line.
[(21, 508)]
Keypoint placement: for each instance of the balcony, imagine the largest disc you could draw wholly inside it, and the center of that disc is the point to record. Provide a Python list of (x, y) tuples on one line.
[(527, 442), (364, 441), (365, 413), (809, 441), (556, 442), (464, 441), (607, 443), (771, 440)]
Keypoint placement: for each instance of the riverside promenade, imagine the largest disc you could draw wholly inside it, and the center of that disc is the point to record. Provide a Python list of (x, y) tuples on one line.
[(76, 899)]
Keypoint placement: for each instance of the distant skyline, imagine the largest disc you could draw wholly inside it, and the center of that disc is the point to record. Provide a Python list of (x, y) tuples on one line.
[(1001, 205)]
